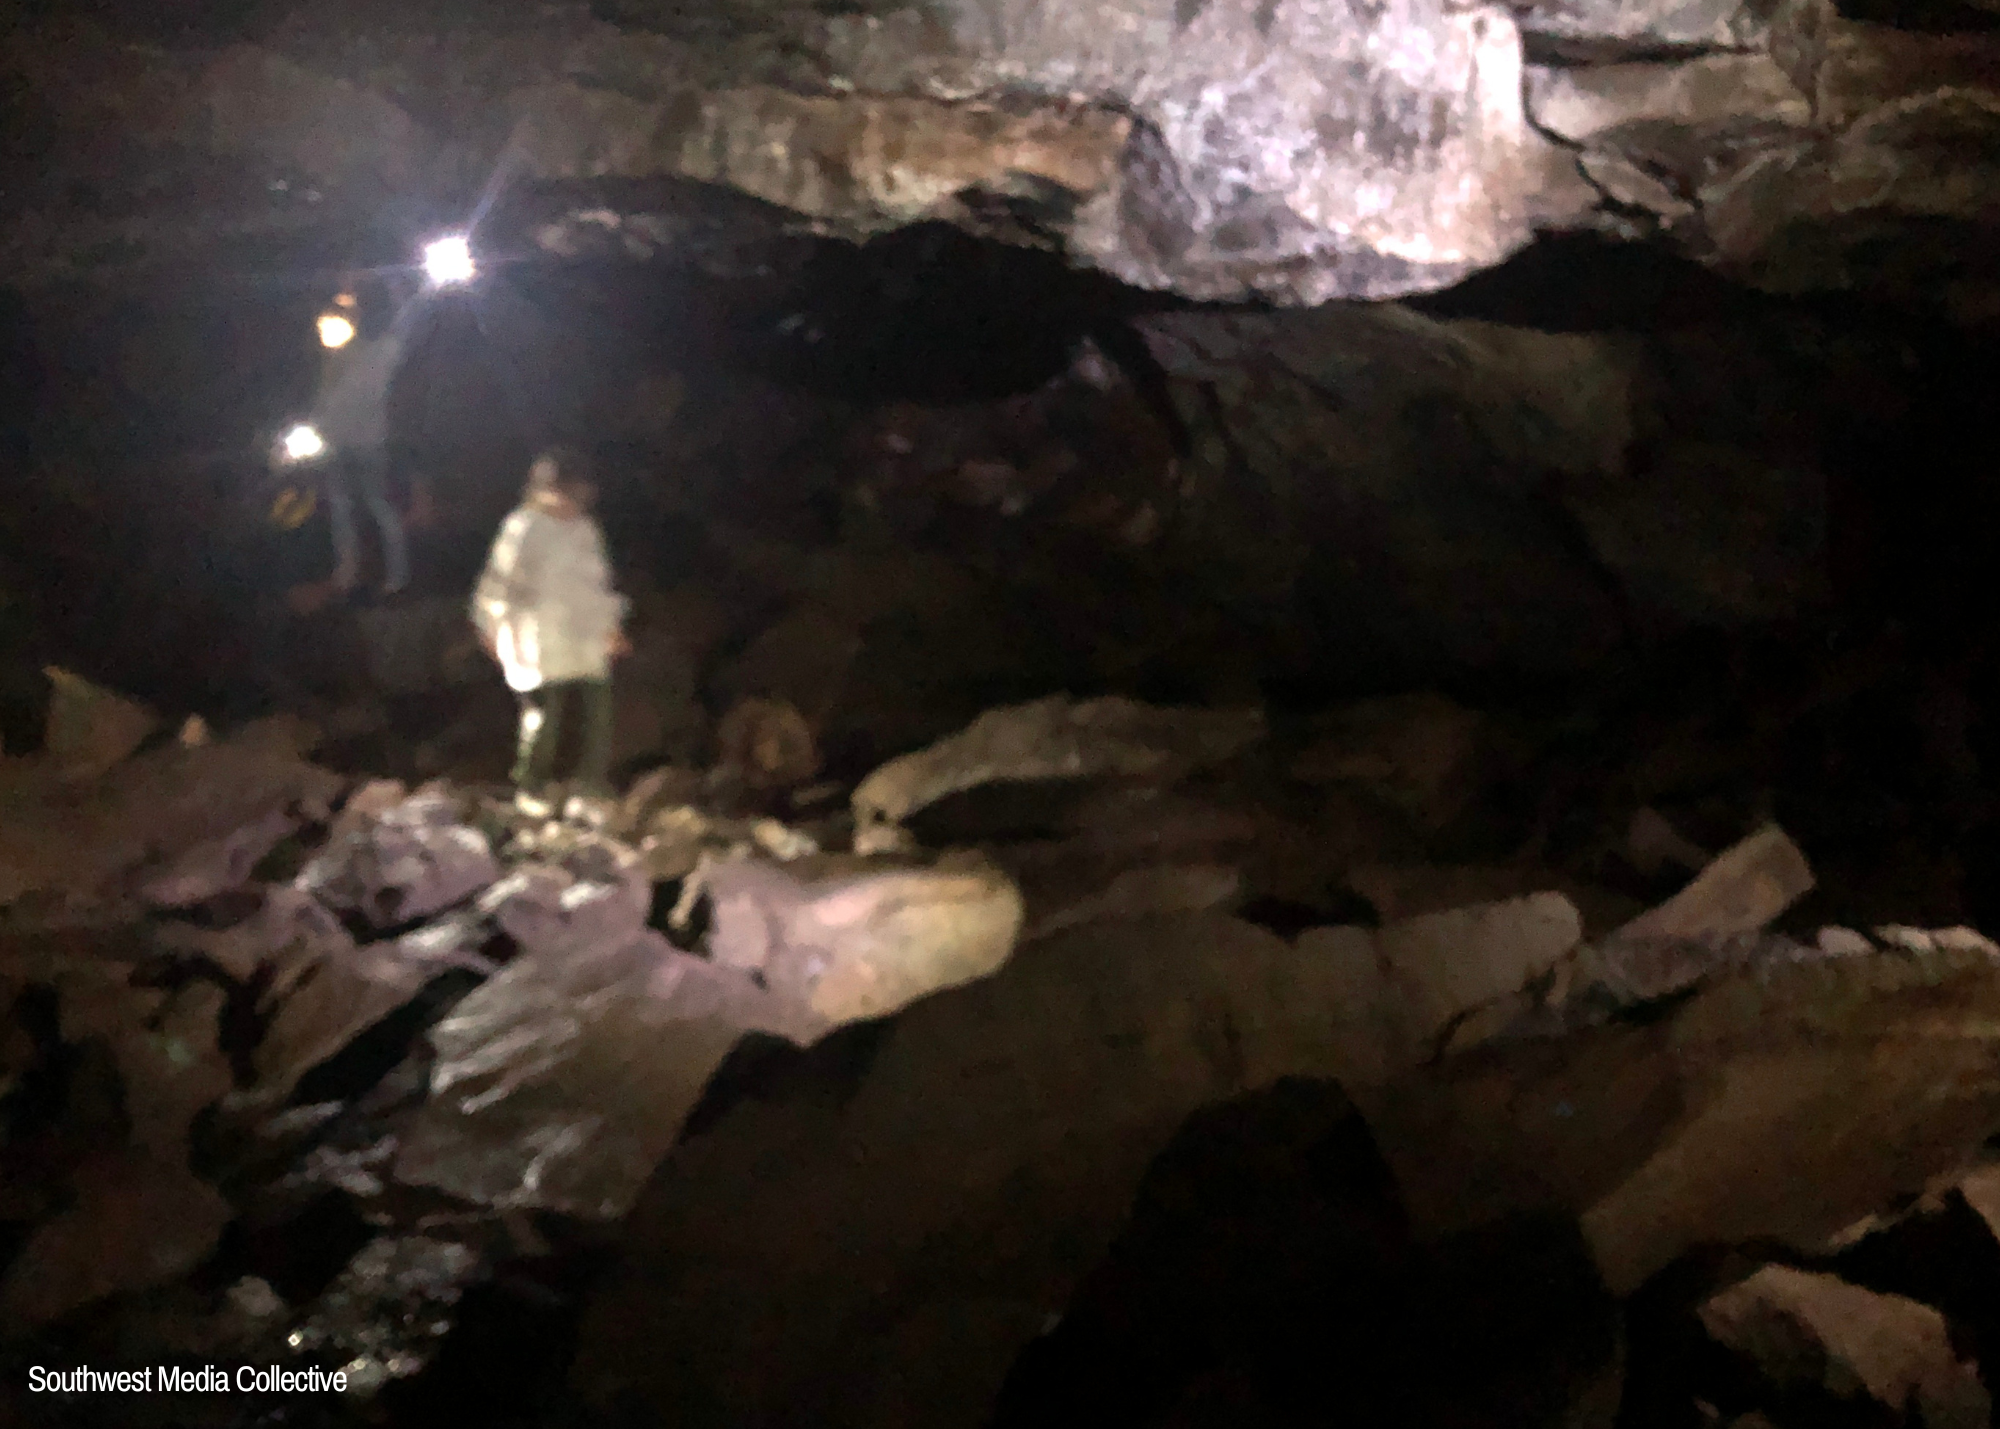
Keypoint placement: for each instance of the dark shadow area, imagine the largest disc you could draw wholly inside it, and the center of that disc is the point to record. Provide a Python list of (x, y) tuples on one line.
[(1266, 1276), (763, 1068)]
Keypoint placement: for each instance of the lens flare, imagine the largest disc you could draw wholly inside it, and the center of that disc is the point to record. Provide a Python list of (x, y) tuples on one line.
[(302, 443), (335, 330), (449, 260)]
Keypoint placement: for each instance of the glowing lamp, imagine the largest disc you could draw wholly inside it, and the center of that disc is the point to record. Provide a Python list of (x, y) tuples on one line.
[(335, 330), (303, 443), (449, 260)]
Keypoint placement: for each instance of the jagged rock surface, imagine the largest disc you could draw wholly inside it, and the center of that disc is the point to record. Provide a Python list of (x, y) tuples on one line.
[(1301, 151)]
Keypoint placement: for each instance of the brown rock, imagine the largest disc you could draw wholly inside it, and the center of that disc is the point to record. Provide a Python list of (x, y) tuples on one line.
[(1740, 892), (990, 1152), (89, 728), (85, 853), (769, 743), (1417, 752), (1784, 1102), (1142, 892), (839, 939), (1444, 964), (1817, 1330), (136, 1222)]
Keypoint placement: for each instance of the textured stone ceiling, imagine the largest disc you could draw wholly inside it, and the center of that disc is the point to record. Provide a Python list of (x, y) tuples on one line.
[(1294, 150)]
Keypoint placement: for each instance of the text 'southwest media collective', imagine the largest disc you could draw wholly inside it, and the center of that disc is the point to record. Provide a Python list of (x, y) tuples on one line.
[(174, 1379)]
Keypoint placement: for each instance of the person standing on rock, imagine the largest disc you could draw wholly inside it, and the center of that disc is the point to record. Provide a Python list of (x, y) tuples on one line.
[(364, 347), (545, 609)]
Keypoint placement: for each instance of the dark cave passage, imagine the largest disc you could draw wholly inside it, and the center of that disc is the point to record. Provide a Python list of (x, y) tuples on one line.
[(1594, 538)]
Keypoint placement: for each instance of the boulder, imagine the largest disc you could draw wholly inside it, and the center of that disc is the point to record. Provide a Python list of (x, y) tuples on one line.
[(1057, 738), (1443, 965), (1815, 1331), (560, 1083), (289, 932), (1651, 843), (89, 728), (326, 1006), (1400, 890), (1144, 892), (769, 743), (670, 786), (1710, 534), (217, 866), (1619, 26), (1786, 1098), (1584, 102), (1741, 891), (81, 855), (597, 896), (983, 1163), (839, 939), (412, 861), (166, 1048), (1418, 985), (136, 1222)]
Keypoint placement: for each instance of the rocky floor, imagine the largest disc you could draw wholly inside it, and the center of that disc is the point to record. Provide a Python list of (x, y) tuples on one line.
[(1099, 1061)]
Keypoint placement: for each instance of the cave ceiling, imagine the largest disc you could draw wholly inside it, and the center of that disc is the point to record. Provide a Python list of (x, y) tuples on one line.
[(1289, 151)]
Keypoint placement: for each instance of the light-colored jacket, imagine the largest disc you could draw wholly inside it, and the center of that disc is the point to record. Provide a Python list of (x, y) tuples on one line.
[(352, 407), (545, 600)]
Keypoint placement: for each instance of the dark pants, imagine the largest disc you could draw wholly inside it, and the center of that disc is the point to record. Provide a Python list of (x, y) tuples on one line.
[(545, 713), (363, 475)]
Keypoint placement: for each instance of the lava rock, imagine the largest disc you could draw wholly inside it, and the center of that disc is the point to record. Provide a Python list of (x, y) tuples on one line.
[(1057, 738), (982, 1166), (413, 860), (561, 1082), (842, 939), (1801, 1328), (136, 1222)]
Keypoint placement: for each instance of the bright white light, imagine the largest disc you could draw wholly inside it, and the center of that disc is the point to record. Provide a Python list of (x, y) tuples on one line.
[(449, 260), (303, 443), (335, 330)]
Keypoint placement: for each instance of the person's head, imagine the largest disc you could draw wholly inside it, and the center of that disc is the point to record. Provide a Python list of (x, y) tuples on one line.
[(560, 480)]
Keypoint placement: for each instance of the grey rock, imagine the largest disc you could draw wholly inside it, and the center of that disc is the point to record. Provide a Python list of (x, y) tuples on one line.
[(413, 860), (1586, 103), (598, 897), (330, 1003), (388, 1310), (1600, 28), (560, 1083), (1057, 738)]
